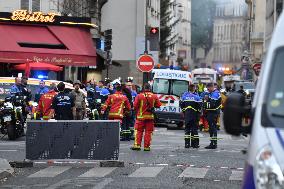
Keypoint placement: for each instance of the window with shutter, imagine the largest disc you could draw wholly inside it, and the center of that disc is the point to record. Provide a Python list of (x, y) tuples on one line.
[(35, 5), (25, 4)]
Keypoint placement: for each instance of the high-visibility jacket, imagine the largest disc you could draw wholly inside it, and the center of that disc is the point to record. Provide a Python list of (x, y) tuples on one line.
[(44, 105), (118, 103), (200, 87), (143, 104)]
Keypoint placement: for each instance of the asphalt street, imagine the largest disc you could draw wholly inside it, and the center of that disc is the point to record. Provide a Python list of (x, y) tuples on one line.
[(167, 165)]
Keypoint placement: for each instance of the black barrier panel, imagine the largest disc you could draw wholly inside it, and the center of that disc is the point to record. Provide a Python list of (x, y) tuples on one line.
[(89, 140)]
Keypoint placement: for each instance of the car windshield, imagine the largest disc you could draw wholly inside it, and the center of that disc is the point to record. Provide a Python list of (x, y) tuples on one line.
[(161, 86), (179, 87), (246, 85), (274, 108)]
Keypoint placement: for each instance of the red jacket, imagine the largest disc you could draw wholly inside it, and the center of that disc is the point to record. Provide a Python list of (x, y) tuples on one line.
[(44, 105), (143, 102), (118, 103)]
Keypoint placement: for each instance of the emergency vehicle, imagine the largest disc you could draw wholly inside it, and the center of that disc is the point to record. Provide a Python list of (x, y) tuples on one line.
[(169, 85), (205, 75), (265, 162)]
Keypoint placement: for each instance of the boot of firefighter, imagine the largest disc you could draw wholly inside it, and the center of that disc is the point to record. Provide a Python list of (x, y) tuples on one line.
[(187, 143), (195, 141)]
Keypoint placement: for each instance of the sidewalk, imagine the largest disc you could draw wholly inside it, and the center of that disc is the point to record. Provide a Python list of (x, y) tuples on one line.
[(5, 169)]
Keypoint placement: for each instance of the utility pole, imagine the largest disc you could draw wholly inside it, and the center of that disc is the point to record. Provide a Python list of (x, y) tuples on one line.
[(145, 74), (250, 26)]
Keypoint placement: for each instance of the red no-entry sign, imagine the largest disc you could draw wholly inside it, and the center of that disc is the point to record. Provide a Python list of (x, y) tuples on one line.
[(145, 63)]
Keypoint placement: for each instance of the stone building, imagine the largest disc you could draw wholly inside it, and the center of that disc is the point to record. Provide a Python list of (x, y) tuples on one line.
[(229, 34)]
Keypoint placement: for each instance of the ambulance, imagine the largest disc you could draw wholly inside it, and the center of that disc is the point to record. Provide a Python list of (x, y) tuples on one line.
[(265, 161), (169, 85)]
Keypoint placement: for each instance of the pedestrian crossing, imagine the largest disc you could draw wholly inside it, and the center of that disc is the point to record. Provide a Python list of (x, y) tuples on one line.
[(138, 172)]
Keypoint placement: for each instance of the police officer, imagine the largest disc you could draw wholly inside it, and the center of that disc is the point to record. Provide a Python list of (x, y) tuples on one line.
[(17, 87), (101, 96), (42, 90), (190, 105), (212, 107), (126, 122), (63, 104), (129, 85)]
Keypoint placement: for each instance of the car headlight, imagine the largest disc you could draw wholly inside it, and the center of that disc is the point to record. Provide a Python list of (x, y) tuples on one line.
[(267, 172), (247, 92)]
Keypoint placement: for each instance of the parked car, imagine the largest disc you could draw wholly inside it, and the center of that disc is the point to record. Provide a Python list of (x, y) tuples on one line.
[(249, 88)]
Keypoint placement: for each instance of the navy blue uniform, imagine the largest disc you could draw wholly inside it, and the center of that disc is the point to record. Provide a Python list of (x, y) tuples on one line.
[(213, 106), (40, 92), (62, 105), (191, 105)]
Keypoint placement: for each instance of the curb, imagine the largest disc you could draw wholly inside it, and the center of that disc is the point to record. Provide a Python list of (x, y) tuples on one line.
[(21, 164), (111, 164), (29, 163), (5, 169)]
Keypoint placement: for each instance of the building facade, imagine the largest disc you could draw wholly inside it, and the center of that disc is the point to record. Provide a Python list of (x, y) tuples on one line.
[(229, 34), (179, 51), (127, 19), (273, 10), (256, 24)]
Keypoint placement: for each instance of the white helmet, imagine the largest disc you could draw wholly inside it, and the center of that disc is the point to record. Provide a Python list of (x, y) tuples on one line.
[(116, 81)]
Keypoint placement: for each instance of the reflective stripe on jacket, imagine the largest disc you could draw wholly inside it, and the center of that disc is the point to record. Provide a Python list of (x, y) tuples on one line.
[(118, 103), (145, 102)]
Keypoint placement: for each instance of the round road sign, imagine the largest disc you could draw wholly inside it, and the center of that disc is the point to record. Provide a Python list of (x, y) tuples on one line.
[(145, 63)]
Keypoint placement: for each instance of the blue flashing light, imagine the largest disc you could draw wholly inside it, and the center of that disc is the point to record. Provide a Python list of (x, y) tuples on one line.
[(42, 77)]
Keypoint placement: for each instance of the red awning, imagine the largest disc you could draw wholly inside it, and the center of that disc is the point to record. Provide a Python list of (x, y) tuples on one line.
[(60, 45)]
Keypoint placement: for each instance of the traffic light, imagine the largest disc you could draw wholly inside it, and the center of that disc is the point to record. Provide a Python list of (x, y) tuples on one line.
[(154, 31), (108, 39), (154, 38)]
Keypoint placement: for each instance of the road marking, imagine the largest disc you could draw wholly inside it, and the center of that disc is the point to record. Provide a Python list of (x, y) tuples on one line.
[(104, 183), (162, 164), (147, 172), (139, 163), (98, 172), (224, 167), (8, 150), (194, 156), (50, 171), (236, 175), (217, 180), (240, 168), (194, 172)]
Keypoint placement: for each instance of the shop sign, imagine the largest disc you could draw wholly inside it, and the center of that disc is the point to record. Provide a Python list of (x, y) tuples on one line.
[(24, 15)]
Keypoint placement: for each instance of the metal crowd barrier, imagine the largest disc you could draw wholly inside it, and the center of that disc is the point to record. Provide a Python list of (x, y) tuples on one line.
[(89, 140)]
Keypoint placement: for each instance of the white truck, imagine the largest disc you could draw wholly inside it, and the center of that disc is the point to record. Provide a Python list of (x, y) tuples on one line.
[(205, 75), (169, 85)]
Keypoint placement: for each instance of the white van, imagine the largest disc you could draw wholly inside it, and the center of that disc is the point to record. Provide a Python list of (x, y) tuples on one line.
[(169, 85), (205, 75), (265, 163)]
